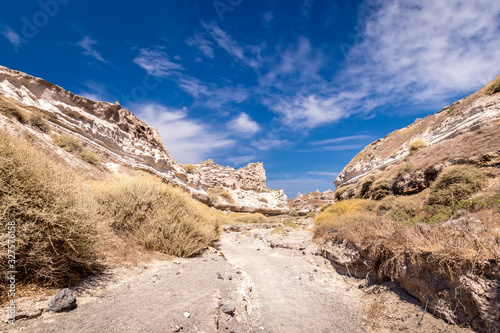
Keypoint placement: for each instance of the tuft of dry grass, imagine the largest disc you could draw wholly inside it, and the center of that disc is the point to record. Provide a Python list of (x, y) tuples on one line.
[(157, 215), (226, 196), (247, 218), (493, 87), (417, 144), (189, 168), (72, 145), (56, 232), (38, 121)]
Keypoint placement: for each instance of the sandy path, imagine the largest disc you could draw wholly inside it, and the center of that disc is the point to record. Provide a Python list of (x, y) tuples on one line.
[(273, 290)]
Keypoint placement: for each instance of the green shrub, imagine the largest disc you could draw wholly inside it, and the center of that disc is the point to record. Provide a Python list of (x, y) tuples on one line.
[(157, 215), (293, 213), (39, 122), (381, 189), (366, 186), (416, 145), (56, 233), (456, 183), (189, 168), (404, 169)]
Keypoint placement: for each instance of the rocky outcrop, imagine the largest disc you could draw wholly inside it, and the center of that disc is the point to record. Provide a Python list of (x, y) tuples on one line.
[(242, 190), (311, 202), (122, 139), (468, 116)]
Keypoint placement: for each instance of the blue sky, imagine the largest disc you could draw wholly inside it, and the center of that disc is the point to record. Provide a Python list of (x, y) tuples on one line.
[(301, 85)]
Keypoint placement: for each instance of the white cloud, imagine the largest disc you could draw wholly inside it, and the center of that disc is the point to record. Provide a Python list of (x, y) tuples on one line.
[(12, 36), (425, 50), (248, 55), (87, 44), (323, 173), (342, 139), (156, 62), (243, 126), (187, 140), (202, 44)]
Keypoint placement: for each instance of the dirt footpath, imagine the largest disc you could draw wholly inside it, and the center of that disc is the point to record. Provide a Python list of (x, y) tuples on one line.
[(254, 282)]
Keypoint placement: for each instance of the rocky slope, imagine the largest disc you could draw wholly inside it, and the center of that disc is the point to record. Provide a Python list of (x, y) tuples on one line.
[(445, 136), (121, 139), (311, 202)]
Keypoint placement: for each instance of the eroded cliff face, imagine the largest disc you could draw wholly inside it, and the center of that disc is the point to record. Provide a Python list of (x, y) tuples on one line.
[(463, 132), (311, 202), (124, 140), (242, 190)]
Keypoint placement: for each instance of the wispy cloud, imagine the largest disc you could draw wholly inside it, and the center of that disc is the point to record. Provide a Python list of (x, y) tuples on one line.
[(199, 41), (306, 10), (187, 140), (87, 43), (243, 126), (156, 62), (343, 147), (249, 55), (341, 139), (12, 36), (266, 19), (293, 186), (323, 173)]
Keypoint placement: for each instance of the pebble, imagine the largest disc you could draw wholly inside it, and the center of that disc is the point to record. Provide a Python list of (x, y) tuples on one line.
[(177, 262), (228, 308), (187, 314), (220, 277)]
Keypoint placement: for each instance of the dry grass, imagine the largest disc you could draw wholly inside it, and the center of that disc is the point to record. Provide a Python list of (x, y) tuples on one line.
[(189, 168), (55, 222), (10, 110), (456, 183), (157, 215), (38, 121), (247, 218), (72, 145), (493, 87), (417, 144), (226, 196)]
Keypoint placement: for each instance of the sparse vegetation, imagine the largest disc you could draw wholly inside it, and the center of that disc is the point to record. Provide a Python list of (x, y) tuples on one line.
[(381, 189), (340, 191), (404, 169), (248, 218), (311, 214), (493, 87), (39, 122), (72, 145), (293, 213), (157, 215), (189, 168), (54, 215), (456, 183), (416, 144), (13, 112), (226, 195)]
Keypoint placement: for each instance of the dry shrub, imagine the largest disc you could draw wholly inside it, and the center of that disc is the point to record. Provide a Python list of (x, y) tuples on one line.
[(381, 189), (401, 209), (340, 191), (68, 142), (157, 215), (493, 87), (89, 157), (39, 122), (13, 112), (227, 196), (248, 218), (416, 145), (456, 183), (343, 213), (55, 224), (189, 168)]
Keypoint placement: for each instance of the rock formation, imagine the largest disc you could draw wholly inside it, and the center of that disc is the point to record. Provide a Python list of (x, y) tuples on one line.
[(124, 140), (463, 132), (311, 202)]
